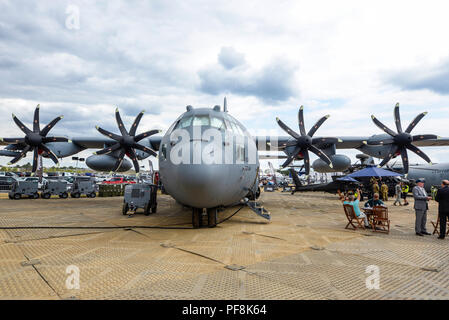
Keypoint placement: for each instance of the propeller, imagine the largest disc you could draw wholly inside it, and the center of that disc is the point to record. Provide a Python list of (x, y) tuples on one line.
[(127, 142), (303, 142), (401, 140), (35, 139)]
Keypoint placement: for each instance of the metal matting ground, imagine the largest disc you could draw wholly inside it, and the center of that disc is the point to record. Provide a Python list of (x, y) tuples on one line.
[(303, 253)]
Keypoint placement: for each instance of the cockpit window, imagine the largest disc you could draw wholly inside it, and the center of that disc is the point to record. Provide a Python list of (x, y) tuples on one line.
[(184, 122), (217, 123), (201, 121)]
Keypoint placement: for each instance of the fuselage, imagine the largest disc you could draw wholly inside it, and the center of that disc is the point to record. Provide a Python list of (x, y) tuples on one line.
[(207, 159)]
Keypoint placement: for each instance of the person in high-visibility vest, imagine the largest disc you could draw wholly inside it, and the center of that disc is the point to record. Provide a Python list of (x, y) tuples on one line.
[(405, 189), (375, 188), (384, 190)]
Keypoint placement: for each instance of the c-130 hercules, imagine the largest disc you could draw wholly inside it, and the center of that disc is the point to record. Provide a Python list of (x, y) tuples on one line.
[(207, 159)]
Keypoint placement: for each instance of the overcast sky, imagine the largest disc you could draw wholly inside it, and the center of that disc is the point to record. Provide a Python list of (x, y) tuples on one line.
[(349, 59)]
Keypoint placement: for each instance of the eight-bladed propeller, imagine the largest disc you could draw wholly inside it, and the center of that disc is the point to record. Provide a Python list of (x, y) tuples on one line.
[(35, 139), (304, 143), (402, 140), (127, 141)]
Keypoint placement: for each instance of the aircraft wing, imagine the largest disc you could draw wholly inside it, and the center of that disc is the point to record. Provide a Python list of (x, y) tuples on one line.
[(277, 143), (100, 142)]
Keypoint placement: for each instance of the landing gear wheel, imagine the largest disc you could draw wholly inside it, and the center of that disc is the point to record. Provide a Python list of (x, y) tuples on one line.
[(212, 217), (64, 195), (93, 195), (45, 196), (146, 210), (125, 209), (197, 216), (17, 196)]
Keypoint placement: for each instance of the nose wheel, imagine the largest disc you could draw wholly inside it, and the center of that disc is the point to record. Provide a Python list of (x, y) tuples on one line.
[(197, 217)]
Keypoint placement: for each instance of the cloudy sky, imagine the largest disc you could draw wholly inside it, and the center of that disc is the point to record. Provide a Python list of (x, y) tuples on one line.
[(349, 59)]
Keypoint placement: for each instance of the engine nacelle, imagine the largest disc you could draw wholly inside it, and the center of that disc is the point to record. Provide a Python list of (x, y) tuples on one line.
[(106, 163), (340, 163)]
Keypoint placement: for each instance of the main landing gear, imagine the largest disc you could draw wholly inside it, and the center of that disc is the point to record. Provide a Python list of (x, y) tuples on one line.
[(197, 217)]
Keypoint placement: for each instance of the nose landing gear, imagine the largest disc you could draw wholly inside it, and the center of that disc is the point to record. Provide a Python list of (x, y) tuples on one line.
[(197, 217)]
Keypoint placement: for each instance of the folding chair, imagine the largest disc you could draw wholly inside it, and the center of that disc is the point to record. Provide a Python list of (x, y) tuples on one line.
[(436, 226), (351, 216), (381, 223)]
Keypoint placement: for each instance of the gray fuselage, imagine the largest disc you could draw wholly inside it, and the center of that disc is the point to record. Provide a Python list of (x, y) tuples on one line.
[(207, 159)]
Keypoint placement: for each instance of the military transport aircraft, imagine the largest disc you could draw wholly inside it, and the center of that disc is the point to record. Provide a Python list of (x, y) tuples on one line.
[(207, 159)]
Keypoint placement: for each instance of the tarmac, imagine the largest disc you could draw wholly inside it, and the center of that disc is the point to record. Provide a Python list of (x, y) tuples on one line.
[(304, 252)]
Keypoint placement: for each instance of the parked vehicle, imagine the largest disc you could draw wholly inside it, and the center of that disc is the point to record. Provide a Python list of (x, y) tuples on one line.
[(55, 187), (6, 183), (24, 188), (83, 185)]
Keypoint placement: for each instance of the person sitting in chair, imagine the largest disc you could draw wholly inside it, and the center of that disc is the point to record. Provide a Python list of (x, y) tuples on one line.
[(354, 202), (375, 201)]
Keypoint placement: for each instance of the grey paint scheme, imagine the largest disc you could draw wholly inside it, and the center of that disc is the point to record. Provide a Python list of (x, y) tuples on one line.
[(432, 173), (207, 185)]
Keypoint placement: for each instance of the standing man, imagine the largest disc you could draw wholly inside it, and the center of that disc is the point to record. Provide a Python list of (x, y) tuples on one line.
[(442, 198), (384, 190), (397, 192), (421, 206), (405, 189)]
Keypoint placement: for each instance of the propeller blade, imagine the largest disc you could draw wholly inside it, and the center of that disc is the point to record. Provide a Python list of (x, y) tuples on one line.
[(145, 134), (109, 134), (404, 157), (21, 125), (302, 128), (132, 132), (48, 127), (36, 127), (383, 127), (108, 150), (287, 129), (321, 155), (35, 159), (119, 161), (133, 156), (391, 153), (415, 122), (418, 151), (145, 149), (291, 156), (120, 124), (20, 155), (325, 140), (13, 141), (54, 139), (50, 153), (306, 162), (424, 137), (397, 118), (317, 125)]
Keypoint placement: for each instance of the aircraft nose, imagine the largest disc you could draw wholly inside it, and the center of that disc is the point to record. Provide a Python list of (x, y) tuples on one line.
[(199, 185)]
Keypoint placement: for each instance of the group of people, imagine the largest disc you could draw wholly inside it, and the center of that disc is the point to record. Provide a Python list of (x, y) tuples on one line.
[(401, 189), (421, 207)]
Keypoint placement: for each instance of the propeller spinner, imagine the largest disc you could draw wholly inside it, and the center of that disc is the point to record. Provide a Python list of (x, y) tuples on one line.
[(127, 142), (400, 141), (304, 142)]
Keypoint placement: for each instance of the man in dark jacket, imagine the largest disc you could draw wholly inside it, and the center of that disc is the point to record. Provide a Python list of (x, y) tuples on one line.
[(442, 198), (421, 206)]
